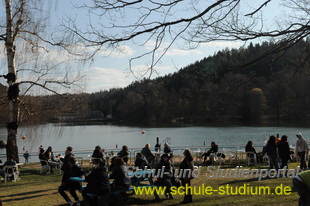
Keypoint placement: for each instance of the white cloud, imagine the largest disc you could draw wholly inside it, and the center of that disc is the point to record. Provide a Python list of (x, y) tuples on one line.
[(181, 52), (119, 52), (99, 78), (222, 44)]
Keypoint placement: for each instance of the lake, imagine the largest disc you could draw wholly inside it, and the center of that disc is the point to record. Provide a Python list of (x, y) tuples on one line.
[(86, 137)]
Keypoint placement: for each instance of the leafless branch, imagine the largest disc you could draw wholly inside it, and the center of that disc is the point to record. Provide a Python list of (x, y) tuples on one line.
[(258, 9)]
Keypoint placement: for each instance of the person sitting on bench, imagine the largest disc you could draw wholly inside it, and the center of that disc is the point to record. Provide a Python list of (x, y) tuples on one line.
[(72, 170), (165, 180), (213, 149), (98, 184), (119, 174)]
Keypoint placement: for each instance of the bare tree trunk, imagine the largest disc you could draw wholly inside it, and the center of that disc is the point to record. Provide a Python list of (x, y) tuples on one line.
[(13, 91)]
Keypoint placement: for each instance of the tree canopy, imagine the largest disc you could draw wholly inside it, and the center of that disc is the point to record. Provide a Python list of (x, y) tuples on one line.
[(187, 24)]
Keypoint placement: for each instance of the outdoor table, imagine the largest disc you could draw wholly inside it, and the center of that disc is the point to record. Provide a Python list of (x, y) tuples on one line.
[(77, 179)]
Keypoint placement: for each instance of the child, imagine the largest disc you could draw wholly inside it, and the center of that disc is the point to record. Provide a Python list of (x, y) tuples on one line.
[(26, 156)]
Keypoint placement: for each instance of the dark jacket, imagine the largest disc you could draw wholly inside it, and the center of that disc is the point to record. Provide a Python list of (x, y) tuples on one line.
[(123, 154), (187, 163), (284, 150), (98, 182), (98, 155), (270, 149), (147, 153), (119, 175), (168, 151), (250, 149), (214, 149), (167, 171), (42, 156), (141, 162), (74, 171), (65, 161)]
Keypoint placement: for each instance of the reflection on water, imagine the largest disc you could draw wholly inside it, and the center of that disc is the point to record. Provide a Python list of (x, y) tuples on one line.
[(86, 137)]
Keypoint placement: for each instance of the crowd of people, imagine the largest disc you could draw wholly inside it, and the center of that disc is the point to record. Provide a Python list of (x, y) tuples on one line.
[(98, 179), (47, 157), (279, 152)]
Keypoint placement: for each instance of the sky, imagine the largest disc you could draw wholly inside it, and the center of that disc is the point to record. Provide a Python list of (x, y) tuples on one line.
[(111, 71)]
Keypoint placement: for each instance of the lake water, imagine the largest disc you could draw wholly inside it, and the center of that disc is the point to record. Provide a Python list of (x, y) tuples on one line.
[(86, 137)]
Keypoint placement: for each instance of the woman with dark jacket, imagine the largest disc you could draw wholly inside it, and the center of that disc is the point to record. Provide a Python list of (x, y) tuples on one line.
[(124, 153), (98, 183), (165, 180), (146, 151), (249, 148), (284, 151), (187, 165), (140, 161), (214, 149), (97, 155), (119, 174), (271, 150)]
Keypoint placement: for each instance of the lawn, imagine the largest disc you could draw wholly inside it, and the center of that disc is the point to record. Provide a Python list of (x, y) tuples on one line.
[(34, 189)]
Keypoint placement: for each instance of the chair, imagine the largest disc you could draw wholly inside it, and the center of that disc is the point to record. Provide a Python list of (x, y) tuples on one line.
[(251, 158), (45, 166), (79, 161), (11, 171), (231, 156), (213, 157)]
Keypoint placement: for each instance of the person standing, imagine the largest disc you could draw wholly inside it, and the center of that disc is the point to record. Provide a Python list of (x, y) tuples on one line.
[(302, 150), (284, 151), (26, 156), (271, 150), (188, 166), (146, 151)]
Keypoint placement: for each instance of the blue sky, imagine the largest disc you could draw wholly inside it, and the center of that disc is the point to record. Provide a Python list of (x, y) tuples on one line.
[(110, 70)]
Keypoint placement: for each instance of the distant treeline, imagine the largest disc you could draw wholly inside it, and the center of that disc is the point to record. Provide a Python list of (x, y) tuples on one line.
[(229, 86), (244, 85)]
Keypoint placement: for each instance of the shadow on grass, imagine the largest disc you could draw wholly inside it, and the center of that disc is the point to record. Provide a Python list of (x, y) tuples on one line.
[(138, 201), (24, 193), (23, 198)]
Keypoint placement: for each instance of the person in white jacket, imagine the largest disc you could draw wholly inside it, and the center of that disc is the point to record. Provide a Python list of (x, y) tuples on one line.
[(302, 150)]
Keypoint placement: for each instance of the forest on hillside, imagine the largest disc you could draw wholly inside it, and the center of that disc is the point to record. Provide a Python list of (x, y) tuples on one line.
[(243, 85), (223, 87)]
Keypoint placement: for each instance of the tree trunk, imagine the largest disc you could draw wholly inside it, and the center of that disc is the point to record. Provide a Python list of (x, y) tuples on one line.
[(13, 91)]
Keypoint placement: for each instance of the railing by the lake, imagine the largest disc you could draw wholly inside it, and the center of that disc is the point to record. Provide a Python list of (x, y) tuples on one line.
[(177, 151)]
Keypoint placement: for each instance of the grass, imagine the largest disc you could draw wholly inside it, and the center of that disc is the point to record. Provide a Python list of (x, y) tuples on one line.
[(34, 189)]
